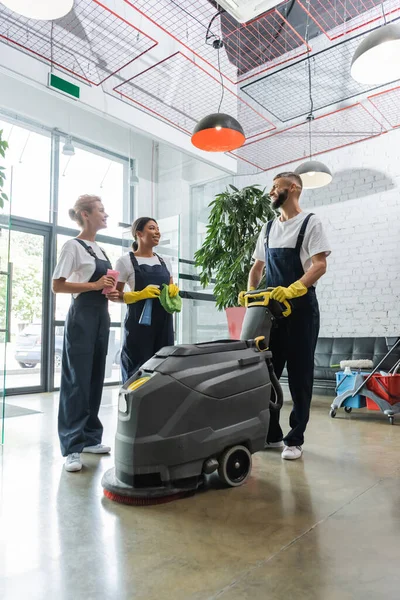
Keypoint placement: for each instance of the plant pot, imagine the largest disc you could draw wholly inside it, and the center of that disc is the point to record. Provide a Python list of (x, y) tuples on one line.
[(235, 316)]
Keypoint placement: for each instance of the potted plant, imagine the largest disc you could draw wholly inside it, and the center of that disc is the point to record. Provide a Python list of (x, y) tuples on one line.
[(3, 148), (234, 224)]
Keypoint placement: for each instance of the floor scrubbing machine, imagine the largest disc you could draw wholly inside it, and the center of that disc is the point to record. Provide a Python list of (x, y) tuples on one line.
[(195, 409)]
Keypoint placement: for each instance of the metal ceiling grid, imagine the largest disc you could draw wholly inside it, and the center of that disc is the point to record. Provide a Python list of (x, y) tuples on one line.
[(388, 105), (181, 92), (91, 42), (337, 18), (246, 51), (329, 132), (285, 93)]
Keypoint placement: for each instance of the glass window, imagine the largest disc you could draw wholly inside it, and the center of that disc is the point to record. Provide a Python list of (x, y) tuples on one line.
[(200, 321), (29, 154), (90, 173)]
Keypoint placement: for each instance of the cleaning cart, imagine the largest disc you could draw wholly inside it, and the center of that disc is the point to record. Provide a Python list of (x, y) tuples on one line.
[(358, 388)]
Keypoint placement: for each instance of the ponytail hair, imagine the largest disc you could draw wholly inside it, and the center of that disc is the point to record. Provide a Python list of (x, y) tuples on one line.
[(139, 225)]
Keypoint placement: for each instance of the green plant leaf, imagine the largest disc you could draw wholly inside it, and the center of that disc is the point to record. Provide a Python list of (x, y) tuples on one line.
[(235, 220)]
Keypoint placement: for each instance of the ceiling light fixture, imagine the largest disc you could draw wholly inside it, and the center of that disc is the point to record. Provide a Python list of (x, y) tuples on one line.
[(41, 10), (313, 174), (68, 148), (218, 132), (246, 10), (377, 58), (133, 178)]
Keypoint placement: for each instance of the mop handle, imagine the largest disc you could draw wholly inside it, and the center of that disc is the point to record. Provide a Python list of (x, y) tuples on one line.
[(376, 368), (395, 368)]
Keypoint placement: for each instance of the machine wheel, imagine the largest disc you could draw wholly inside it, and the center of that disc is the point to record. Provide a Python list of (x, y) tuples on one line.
[(347, 409), (332, 413), (391, 420), (26, 365), (235, 466)]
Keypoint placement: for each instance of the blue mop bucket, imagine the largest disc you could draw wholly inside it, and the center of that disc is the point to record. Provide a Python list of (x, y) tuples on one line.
[(345, 382)]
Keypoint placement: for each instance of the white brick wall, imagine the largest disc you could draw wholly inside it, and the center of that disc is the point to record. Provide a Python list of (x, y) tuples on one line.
[(359, 295)]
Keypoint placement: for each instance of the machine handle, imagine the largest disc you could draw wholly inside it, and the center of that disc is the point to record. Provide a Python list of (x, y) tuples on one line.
[(262, 298)]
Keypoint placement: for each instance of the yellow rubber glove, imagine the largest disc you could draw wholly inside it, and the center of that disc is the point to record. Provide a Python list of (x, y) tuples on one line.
[(173, 290), (295, 290), (151, 291), (241, 300)]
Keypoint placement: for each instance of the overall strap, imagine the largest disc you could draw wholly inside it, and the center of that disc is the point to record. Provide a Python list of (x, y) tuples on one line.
[(105, 255), (162, 261), (134, 262), (90, 250), (268, 231), (303, 231), (136, 265)]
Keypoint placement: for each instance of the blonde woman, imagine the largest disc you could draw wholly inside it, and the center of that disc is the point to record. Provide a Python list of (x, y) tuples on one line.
[(82, 272)]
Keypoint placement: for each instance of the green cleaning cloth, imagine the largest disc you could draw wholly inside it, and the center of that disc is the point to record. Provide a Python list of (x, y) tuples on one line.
[(169, 304)]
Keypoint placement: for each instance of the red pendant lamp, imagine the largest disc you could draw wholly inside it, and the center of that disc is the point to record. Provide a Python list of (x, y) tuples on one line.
[(218, 132)]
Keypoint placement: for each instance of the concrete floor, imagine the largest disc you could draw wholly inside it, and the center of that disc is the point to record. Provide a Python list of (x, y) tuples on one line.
[(326, 527)]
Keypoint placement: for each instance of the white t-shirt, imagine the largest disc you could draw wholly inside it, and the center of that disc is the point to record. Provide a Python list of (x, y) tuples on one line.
[(284, 234), (75, 263), (126, 270)]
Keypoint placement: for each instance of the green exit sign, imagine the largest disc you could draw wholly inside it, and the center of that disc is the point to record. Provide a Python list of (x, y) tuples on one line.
[(64, 86)]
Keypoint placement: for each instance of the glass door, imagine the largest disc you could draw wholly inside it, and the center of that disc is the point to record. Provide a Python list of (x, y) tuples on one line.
[(5, 297), (26, 358)]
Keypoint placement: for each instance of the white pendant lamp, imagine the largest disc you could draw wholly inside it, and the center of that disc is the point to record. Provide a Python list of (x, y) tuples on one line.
[(314, 174), (377, 58), (68, 148), (42, 10)]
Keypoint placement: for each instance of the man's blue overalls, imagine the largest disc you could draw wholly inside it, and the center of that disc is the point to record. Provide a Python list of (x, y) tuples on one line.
[(294, 339)]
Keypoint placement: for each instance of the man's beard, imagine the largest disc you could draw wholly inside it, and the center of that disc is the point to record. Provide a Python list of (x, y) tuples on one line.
[(280, 201)]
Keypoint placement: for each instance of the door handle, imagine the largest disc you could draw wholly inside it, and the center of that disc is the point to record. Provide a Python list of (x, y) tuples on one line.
[(9, 302)]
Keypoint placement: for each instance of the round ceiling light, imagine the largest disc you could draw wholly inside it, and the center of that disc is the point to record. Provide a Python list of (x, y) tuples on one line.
[(218, 133), (377, 58), (314, 174), (42, 10)]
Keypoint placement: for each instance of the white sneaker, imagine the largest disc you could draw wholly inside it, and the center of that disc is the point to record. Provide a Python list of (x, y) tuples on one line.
[(272, 445), (292, 452), (97, 449), (73, 462)]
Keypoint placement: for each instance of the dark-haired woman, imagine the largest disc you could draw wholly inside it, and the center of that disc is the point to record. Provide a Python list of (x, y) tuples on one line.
[(144, 272)]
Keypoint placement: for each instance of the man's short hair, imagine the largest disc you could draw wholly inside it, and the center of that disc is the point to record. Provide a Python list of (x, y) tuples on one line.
[(292, 176)]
